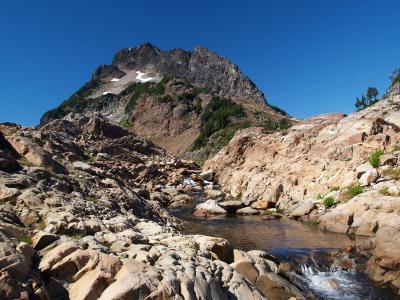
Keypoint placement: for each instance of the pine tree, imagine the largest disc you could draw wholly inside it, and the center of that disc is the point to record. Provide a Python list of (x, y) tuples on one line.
[(364, 103), (358, 104), (372, 93)]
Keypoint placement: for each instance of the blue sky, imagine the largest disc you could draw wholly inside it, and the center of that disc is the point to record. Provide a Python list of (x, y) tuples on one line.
[(308, 57)]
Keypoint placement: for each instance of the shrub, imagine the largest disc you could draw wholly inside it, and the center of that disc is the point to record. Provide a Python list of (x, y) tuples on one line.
[(353, 191), (334, 188), (384, 191), (215, 117), (78, 102), (374, 158), (329, 202), (312, 222), (277, 109), (391, 172), (138, 89), (165, 99), (26, 239), (273, 125), (395, 76)]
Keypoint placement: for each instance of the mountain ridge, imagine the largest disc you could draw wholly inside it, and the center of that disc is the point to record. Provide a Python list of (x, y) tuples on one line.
[(162, 94)]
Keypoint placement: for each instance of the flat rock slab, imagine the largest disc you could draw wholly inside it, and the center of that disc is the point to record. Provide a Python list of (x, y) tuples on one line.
[(247, 211), (231, 205)]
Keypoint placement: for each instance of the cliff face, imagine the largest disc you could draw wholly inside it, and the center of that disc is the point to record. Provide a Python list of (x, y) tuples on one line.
[(163, 96)]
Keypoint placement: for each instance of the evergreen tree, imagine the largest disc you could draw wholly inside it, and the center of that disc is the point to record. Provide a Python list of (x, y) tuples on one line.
[(364, 103), (372, 93), (358, 104)]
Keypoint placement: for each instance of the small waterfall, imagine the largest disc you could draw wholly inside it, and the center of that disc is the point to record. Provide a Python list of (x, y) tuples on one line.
[(335, 283)]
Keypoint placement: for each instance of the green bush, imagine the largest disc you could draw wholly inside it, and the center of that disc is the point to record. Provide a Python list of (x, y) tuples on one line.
[(138, 89), (280, 110), (384, 191), (26, 239), (396, 79), (78, 102), (391, 172), (312, 222), (329, 202), (374, 158), (273, 125), (215, 117), (353, 191)]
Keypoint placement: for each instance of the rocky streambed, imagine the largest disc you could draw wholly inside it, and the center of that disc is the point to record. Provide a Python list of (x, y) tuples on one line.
[(319, 262)]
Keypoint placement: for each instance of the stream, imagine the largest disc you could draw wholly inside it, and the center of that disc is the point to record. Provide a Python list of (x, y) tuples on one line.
[(293, 242)]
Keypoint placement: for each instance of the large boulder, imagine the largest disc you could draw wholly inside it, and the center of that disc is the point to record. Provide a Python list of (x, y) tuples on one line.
[(35, 154), (231, 205), (368, 177), (302, 209), (8, 156), (208, 208)]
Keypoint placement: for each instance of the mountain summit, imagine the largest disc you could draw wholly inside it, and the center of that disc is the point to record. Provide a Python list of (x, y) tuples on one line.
[(181, 100)]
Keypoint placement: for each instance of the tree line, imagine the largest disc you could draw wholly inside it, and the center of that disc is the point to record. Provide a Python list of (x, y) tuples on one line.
[(370, 97)]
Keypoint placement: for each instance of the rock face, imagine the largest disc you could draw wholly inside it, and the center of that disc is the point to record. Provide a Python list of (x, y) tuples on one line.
[(314, 169), (193, 66), (166, 96), (99, 228), (307, 159)]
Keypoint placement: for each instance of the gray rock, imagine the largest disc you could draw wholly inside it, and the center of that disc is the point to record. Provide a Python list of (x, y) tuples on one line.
[(302, 209), (247, 211), (207, 175)]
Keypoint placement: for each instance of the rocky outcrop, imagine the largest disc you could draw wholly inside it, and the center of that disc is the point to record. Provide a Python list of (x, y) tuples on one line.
[(99, 229), (324, 169)]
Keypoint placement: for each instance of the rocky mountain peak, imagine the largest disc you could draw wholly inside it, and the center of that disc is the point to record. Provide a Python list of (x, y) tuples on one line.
[(200, 66), (176, 93)]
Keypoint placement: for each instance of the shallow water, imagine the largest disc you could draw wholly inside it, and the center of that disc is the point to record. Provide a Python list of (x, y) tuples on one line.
[(288, 240), (251, 232)]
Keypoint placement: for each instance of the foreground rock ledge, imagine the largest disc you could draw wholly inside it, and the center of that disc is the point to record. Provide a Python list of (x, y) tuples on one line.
[(82, 216)]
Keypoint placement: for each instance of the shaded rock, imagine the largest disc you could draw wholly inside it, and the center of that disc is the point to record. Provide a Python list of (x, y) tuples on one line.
[(207, 175), (219, 246), (246, 268), (42, 239), (388, 159), (231, 206)]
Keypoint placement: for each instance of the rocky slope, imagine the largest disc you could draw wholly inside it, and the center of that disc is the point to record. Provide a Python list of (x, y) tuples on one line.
[(82, 216), (166, 96), (320, 171)]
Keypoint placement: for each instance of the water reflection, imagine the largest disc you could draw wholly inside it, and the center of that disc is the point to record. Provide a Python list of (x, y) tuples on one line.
[(251, 232)]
